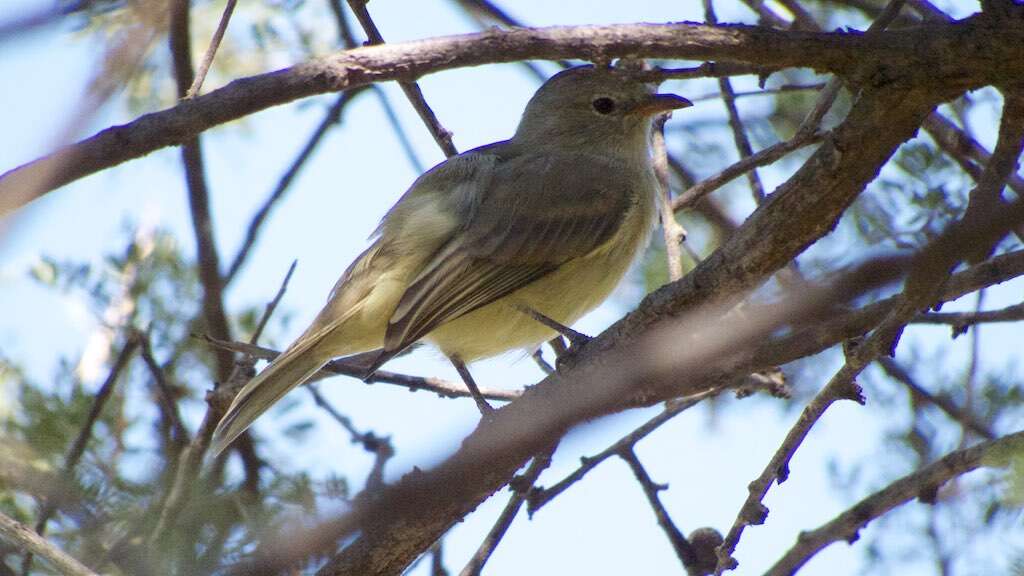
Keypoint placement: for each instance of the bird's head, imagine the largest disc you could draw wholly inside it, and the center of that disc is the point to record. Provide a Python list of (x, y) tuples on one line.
[(589, 105)]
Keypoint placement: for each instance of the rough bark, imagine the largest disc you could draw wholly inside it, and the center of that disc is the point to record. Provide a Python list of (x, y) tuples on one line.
[(953, 57)]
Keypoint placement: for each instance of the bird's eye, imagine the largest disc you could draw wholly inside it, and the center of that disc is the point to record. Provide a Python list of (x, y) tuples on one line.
[(603, 105)]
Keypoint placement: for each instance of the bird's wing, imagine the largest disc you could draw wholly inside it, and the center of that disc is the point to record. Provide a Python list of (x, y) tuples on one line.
[(537, 213)]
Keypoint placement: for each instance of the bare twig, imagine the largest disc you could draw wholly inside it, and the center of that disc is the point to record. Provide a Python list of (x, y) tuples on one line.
[(412, 91), (484, 11), (332, 117), (268, 310), (680, 544), (786, 88), (396, 127), (214, 316), (541, 496), (705, 70), (826, 334), (739, 132), (355, 366), (671, 230), (961, 321), (77, 448), (520, 487), (802, 19), (23, 537), (191, 460), (941, 401), (762, 157), (922, 484), (218, 35), (168, 403), (437, 560), (765, 14), (348, 40), (379, 446), (965, 150)]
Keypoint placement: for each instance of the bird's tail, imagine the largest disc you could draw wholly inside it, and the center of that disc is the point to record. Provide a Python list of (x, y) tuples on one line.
[(293, 367)]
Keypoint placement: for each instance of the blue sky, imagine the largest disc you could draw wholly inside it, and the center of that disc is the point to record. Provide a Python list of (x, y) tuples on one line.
[(600, 526)]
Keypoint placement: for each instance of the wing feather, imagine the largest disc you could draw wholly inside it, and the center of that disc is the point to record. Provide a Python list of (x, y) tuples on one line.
[(534, 216)]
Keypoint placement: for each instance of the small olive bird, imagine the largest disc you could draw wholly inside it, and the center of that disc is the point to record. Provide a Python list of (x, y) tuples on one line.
[(543, 225)]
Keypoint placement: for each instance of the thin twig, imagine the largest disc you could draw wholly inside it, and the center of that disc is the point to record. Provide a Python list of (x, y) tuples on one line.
[(827, 333), (739, 132), (765, 15), (942, 402), (412, 91), (204, 65), (541, 496), (812, 122), (962, 148), (355, 366), (761, 158), (520, 486), (331, 118), (671, 229), (802, 19), (785, 88), (396, 127), (77, 449), (705, 70), (922, 484), (960, 321), (25, 538), (268, 310), (437, 560), (484, 10), (379, 446), (680, 544), (199, 196), (348, 40), (168, 403), (217, 401)]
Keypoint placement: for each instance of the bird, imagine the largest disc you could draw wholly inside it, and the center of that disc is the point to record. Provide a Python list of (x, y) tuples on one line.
[(543, 225)]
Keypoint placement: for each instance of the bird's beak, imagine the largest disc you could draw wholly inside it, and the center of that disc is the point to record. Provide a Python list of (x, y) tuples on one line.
[(658, 103)]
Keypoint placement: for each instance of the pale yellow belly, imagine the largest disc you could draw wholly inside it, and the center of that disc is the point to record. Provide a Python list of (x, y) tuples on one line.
[(565, 295)]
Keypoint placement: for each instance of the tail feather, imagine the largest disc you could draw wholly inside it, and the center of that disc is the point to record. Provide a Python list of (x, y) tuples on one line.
[(289, 370)]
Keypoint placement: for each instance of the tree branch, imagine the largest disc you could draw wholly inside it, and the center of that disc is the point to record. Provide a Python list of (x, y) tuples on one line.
[(922, 484), (218, 35), (973, 234), (985, 53), (24, 538), (214, 316), (355, 367), (961, 321), (412, 90), (541, 496), (520, 487), (77, 449), (332, 117), (686, 554), (828, 333), (943, 402)]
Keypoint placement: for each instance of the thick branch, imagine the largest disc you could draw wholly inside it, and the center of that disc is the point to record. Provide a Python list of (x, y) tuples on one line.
[(946, 57)]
